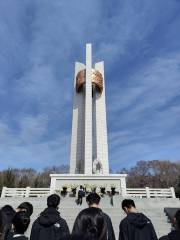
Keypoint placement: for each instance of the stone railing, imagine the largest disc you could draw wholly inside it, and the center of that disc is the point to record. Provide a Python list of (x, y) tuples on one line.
[(24, 192), (130, 192), (151, 192)]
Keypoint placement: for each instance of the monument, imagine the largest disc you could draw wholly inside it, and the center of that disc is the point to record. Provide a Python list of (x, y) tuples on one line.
[(89, 145)]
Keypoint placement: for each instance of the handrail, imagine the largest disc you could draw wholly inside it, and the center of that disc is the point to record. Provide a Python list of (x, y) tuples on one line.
[(24, 192), (131, 192), (151, 192)]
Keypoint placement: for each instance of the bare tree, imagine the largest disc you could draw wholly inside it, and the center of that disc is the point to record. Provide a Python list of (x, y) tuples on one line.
[(156, 173)]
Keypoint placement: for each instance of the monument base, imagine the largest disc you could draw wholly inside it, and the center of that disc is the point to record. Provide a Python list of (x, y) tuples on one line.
[(118, 181)]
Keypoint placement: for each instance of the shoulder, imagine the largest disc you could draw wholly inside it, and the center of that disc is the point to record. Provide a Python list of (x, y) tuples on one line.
[(124, 221), (107, 218), (143, 215), (62, 221), (36, 222), (164, 237), (36, 225), (81, 190), (106, 215), (20, 238)]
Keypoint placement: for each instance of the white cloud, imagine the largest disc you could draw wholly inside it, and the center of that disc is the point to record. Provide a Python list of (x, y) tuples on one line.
[(144, 114), (41, 40), (33, 129)]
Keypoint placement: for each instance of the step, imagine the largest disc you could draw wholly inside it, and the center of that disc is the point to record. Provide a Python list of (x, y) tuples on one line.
[(152, 208)]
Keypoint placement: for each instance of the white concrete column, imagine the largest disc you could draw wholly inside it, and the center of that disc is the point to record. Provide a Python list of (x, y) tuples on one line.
[(123, 186), (27, 191), (147, 192), (3, 193), (77, 137), (88, 112), (101, 124), (52, 185), (173, 192)]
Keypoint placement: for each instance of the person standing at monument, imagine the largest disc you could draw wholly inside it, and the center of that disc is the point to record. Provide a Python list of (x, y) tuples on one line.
[(135, 226), (20, 223), (49, 225), (90, 224), (3, 224), (10, 212), (93, 200), (81, 194), (26, 207), (175, 234)]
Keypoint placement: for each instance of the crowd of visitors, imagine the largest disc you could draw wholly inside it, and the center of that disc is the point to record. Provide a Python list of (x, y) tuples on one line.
[(90, 224)]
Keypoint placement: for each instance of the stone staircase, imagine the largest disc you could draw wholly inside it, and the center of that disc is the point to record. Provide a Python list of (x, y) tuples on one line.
[(152, 208)]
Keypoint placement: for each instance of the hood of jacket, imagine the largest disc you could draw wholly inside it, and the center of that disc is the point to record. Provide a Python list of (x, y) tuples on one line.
[(174, 235), (49, 217), (138, 220)]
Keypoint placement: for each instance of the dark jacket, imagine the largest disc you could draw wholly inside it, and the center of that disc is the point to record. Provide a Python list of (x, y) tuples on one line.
[(16, 237), (174, 235), (136, 226), (111, 235), (9, 235), (49, 225), (20, 238), (81, 193)]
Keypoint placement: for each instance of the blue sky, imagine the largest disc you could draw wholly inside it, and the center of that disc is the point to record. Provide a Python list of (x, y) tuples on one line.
[(139, 41)]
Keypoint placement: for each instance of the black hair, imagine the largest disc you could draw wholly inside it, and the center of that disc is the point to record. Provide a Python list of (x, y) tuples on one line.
[(93, 198), (177, 217), (53, 200), (9, 212), (27, 206), (90, 224), (21, 222), (128, 203)]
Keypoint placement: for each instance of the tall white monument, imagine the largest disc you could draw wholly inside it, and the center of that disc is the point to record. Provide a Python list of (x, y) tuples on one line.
[(89, 146)]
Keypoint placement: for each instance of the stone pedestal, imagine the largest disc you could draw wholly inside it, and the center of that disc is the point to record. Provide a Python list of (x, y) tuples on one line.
[(117, 180)]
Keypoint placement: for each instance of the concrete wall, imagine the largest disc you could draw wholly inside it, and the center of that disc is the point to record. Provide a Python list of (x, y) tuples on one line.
[(118, 180), (101, 125), (78, 123)]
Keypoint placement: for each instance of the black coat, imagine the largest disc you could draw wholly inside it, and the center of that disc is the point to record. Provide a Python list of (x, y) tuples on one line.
[(49, 226), (14, 237), (136, 226), (111, 235), (174, 235)]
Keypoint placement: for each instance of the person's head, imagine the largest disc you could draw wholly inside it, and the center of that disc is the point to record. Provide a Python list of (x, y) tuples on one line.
[(177, 219), (128, 206), (93, 199), (91, 225), (53, 200), (9, 212), (20, 222), (81, 187), (26, 207)]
